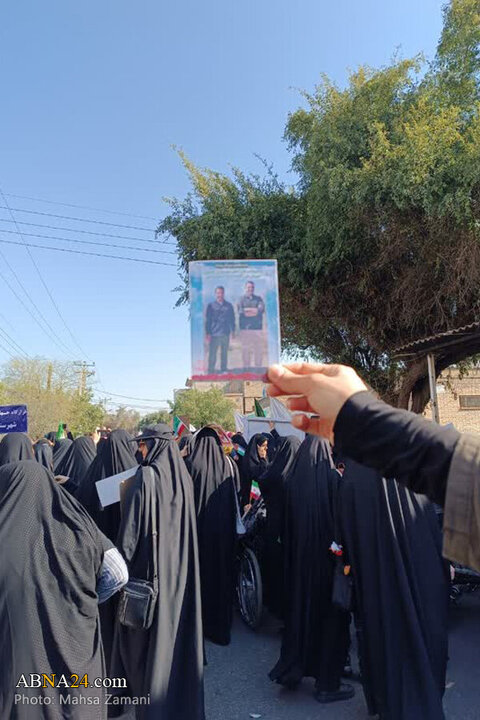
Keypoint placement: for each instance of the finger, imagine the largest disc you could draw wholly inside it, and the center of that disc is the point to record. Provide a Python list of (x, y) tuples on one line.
[(299, 403), (288, 382), (303, 368), (274, 391)]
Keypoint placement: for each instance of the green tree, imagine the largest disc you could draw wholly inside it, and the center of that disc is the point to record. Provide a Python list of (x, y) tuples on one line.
[(203, 407), (159, 416), (124, 418), (378, 243), (50, 391)]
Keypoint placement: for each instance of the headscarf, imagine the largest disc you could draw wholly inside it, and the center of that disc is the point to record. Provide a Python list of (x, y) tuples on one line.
[(44, 453), (115, 456), (51, 436), (252, 466), (52, 548), (76, 462), (14, 447)]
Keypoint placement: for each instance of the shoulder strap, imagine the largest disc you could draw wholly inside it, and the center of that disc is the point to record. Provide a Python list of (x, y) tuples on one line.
[(153, 512)]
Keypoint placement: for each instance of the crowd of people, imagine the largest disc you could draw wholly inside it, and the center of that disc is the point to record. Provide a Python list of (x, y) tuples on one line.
[(132, 590)]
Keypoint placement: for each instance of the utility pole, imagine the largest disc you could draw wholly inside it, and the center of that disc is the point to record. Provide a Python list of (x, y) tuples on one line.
[(49, 376), (83, 374)]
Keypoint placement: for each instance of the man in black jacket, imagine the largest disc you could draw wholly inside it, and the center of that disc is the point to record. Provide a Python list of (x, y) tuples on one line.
[(251, 310), (220, 324)]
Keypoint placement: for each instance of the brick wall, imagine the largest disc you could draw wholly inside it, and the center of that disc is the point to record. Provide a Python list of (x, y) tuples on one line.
[(459, 400)]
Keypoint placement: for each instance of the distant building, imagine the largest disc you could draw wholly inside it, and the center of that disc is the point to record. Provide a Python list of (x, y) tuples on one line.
[(459, 399), (241, 392)]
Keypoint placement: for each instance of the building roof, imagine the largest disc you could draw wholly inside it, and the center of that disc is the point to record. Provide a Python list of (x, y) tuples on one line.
[(458, 337)]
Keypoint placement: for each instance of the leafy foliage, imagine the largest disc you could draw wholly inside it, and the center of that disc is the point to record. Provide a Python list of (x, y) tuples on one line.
[(154, 418), (378, 243), (50, 391), (202, 407)]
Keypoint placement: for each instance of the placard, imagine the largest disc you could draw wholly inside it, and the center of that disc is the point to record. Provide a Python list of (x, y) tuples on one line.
[(13, 418), (108, 489), (235, 319)]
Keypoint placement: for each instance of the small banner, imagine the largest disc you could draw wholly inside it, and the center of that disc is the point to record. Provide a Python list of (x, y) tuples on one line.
[(13, 418)]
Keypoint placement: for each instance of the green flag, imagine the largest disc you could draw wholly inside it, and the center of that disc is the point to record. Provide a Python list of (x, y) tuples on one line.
[(60, 432), (259, 411)]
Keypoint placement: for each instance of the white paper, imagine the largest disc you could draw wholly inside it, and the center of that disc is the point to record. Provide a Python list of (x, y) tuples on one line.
[(109, 488)]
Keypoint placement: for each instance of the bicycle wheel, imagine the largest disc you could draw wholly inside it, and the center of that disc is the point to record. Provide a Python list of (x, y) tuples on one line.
[(249, 589)]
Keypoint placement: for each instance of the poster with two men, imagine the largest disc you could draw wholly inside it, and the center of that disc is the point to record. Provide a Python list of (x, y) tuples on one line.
[(235, 318)]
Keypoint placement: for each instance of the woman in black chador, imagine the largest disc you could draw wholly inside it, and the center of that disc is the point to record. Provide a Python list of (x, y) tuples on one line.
[(272, 487), (316, 636), (401, 588), (115, 456), (75, 462), (254, 464), (215, 481), (165, 661), (52, 556), (43, 452)]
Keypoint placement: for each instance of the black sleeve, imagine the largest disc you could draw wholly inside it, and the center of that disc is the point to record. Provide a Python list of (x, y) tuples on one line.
[(232, 319), (208, 326), (397, 443)]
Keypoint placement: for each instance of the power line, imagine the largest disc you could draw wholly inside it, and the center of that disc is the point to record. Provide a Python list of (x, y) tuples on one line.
[(46, 288), (14, 345), (129, 397), (81, 207), (84, 252), (22, 302), (90, 232), (91, 242), (7, 351), (76, 219)]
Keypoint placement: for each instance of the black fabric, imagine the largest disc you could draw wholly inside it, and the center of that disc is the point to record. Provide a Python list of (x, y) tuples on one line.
[(214, 484), (115, 456), (52, 553), (252, 466), (44, 453), (75, 462), (397, 443), (14, 447), (272, 487), (60, 449), (316, 636), (238, 439), (185, 440), (393, 543), (52, 436), (167, 661)]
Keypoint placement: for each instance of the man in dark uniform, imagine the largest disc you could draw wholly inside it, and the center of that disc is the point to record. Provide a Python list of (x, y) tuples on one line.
[(220, 324), (251, 309)]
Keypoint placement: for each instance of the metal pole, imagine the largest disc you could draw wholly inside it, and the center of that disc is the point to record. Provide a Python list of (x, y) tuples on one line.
[(432, 378)]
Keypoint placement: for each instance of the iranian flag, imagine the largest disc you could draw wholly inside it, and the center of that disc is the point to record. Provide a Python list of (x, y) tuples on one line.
[(179, 427), (254, 491)]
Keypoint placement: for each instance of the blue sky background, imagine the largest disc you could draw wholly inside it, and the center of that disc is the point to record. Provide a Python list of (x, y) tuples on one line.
[(95, 94)]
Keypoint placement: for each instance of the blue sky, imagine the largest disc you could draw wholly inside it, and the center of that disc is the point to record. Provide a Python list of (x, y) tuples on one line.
[(94, 96)]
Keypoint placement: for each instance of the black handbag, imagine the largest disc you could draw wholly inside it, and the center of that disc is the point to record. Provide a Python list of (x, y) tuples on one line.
[(138, 598), (342, 587)]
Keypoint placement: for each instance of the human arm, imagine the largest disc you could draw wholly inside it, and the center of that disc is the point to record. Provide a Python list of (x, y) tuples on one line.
[(398, 443), (113, 575), (132, 502)]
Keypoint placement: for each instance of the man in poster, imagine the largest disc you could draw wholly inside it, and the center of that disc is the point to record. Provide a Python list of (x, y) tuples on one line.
[(220, 324), (251, 310)]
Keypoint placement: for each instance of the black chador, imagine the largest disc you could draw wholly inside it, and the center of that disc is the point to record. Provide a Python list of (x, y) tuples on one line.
[(272, 487), (316, 637), (394, 546), (166, 661), (215, 482), (52, 553), (75, 462)]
